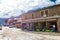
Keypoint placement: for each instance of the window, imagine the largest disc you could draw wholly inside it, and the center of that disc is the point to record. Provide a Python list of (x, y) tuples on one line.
[(25, 17), (42, 13), (46, 12), (32, 15)]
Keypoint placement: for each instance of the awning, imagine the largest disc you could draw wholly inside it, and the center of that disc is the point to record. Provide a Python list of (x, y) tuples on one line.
[(51, 20), (28, 21), (19, 20), (38, 20)]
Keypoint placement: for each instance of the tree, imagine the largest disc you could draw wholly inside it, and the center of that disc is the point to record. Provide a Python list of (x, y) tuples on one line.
[(53, 0), (6, 20)]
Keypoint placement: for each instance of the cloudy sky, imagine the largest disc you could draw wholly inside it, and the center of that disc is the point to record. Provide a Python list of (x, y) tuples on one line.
[(10, 8)]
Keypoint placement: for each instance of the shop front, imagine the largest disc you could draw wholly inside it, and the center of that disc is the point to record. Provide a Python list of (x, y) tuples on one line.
[(44, 25), (49, 25)]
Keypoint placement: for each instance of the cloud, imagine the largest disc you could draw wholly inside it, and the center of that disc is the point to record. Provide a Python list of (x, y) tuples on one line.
[(10, 8), (57, 1)]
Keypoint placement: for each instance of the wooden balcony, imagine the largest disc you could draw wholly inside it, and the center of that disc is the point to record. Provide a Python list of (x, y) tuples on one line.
[(52, 18)]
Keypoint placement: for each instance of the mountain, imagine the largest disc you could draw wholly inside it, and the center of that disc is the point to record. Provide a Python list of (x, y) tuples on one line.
[(2, 20)]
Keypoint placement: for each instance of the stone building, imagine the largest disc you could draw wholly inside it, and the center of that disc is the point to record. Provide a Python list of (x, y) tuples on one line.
[(45, 17)]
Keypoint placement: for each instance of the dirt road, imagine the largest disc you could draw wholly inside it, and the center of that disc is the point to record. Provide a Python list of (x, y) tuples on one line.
[(17, 34)]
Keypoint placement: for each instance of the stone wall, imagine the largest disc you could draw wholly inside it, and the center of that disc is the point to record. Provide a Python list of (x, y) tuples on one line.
[(54, 11), (58, 24), (37, 14)]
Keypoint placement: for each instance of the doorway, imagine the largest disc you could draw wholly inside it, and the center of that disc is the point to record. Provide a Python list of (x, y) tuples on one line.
[(52, 25), (42, 26)]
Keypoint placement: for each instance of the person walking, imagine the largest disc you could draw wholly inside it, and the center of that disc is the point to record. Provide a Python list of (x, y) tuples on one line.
[(54, 28)]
